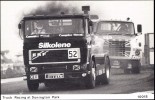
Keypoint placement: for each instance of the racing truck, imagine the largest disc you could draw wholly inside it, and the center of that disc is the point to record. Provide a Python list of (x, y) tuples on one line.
[(121, 43), (62, 48)]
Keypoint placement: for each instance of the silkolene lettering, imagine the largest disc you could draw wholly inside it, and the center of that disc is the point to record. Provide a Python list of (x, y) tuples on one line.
[(53, 45)]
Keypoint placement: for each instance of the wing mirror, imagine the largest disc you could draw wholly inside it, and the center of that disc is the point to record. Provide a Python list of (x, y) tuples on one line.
[(20, 30), (139, 28), (19, 26)]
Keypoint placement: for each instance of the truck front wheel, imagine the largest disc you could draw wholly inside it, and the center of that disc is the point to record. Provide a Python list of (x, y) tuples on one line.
[(91, 78), (32, 86), (136, 67), (106, 76)]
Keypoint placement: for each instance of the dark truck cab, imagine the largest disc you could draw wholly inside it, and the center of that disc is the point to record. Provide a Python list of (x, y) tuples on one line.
[(62, 47)]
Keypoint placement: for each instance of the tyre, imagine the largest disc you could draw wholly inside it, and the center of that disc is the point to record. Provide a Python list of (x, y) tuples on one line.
[(136, 67), (32, 86), (106, 77), (90, 82)]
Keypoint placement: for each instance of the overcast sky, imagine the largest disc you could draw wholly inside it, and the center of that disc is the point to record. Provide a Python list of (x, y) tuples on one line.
[(140, 12)]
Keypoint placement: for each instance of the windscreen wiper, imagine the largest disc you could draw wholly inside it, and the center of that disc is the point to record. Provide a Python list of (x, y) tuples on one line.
[(32, 36), (44, 35)]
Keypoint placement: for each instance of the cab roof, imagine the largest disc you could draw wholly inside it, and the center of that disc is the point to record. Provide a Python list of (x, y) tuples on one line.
[(115, 21), (55, 16)]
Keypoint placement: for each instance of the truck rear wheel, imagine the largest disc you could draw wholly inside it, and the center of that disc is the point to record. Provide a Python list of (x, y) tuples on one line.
[(32, 86), (90, 82), (106, 77)]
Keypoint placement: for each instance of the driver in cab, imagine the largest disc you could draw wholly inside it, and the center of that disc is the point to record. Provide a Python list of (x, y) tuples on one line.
[(123, 28), (38, 28)]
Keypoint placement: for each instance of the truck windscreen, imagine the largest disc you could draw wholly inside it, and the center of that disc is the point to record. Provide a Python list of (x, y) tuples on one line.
[(115, 28), (54, 26)]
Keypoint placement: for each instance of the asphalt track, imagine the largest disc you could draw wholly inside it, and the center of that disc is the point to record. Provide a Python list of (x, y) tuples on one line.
[(120, 83)]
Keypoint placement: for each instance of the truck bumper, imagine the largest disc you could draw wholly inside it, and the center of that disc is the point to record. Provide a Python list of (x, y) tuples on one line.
[(122, 62), (67, 76)]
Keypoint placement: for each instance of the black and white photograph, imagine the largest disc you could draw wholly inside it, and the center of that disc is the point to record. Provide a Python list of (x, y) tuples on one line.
[(84, 50)]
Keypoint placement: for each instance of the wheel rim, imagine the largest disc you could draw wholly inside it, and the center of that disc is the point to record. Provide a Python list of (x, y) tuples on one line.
[(93, 74), (108, 72)]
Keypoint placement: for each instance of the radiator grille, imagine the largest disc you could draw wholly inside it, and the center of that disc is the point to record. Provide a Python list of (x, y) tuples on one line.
[(117, 48), (51, 56)]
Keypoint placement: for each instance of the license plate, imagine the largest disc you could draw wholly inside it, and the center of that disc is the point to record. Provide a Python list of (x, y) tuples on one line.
[(54, 75), (34, 77)]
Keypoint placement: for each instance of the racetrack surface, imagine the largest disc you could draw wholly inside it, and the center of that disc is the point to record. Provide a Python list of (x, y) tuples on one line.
[(120, 83)]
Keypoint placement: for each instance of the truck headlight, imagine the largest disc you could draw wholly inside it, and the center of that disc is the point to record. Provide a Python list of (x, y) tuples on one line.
[(33, 69), (137, 52)]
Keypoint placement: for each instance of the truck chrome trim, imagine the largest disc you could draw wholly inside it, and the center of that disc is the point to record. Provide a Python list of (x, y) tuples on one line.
[(78, 61), (117, 57)]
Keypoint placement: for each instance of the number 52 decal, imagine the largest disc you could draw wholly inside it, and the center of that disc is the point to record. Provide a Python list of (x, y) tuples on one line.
[(74, 53)]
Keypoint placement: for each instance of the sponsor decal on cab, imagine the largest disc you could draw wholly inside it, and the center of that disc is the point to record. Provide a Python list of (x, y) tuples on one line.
[(53, 45)]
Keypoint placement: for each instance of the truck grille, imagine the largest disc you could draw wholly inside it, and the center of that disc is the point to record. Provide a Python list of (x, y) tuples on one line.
[(118, 48), (56, 68), (52, 56)]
